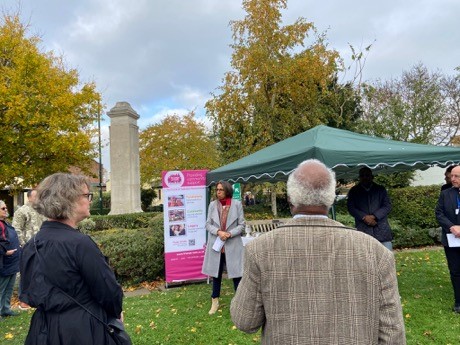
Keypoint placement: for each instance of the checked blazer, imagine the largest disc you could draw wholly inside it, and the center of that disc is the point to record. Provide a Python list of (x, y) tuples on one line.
[(313, 281)]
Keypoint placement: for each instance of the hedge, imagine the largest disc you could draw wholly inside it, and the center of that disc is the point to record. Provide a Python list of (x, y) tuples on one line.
[(135, 242), (414, 206), (124, 221), (136, 255)]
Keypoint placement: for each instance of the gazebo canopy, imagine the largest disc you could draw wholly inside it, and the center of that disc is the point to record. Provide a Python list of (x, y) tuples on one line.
[(343, 151)]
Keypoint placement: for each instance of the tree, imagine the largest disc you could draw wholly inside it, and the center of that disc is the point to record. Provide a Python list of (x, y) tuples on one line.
[(176, 143), (421, 107), (46, 113), (147, 196), (274, 90)]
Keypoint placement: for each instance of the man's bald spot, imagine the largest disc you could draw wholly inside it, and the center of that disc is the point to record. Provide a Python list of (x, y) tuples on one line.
[(314, 174)]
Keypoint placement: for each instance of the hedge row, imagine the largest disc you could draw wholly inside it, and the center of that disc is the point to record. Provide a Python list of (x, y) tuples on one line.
[(414, 206), (123, 221), (136, 255), (135, 242)]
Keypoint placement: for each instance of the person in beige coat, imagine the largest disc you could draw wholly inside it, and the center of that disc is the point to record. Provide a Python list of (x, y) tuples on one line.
[(224, 224), (315, 281)]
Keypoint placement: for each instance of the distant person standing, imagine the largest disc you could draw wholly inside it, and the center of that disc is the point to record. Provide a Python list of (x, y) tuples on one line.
[(26, 220), (447, 174), (224, 224), (9, 262), (27, 223), (370, 205), (448, 216)]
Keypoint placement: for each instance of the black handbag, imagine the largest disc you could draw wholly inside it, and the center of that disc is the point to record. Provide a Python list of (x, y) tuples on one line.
[(117, 331), (114, 326)]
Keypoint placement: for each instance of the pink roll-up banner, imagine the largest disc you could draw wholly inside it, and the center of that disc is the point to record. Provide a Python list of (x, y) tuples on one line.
[(184, 196)]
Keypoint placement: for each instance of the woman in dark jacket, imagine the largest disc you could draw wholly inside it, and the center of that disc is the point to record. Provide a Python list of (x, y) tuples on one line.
[(9, 261), (61, 259)]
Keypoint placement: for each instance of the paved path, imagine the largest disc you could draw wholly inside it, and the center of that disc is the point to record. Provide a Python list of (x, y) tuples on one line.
[(137, 292)]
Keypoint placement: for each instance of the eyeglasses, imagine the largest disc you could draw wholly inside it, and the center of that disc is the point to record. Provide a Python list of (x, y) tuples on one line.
[(3, 208), (220, 189), (89, 196)]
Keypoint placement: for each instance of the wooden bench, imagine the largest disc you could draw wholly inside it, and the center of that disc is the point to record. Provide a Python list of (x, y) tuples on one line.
[(266, 225)]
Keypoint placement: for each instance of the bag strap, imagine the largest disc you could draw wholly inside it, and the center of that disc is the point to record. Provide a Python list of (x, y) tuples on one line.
[(40, 260)]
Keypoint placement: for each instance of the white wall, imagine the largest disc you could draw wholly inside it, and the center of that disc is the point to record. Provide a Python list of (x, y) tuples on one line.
[(434, 175)]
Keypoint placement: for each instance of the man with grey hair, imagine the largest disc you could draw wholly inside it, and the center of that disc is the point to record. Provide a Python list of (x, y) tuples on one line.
[(315, 281)]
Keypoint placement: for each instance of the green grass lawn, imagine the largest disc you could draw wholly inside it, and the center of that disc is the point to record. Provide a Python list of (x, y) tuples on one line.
[(179, 315)]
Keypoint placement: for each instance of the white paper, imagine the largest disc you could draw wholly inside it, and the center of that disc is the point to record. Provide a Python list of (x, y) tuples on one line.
[(218, 244), (246, 240), (453, 241)]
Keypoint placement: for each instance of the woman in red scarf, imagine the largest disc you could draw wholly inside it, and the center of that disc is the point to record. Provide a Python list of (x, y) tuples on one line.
[(224, 224)]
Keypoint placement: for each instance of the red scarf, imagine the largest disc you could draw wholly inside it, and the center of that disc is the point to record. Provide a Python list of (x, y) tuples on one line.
[(223, 214), (226, 201)]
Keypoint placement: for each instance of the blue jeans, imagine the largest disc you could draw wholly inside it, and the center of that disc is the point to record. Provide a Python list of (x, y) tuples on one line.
[(6, 291), (388, 245)]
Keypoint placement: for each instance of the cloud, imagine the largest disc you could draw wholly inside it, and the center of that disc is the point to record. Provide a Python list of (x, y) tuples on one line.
[(168, 56)]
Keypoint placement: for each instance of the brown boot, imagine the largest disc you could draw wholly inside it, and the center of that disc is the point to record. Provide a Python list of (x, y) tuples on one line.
[(214, 306)]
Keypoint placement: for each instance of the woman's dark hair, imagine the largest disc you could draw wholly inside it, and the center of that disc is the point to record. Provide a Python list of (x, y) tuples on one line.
[(228, 189)]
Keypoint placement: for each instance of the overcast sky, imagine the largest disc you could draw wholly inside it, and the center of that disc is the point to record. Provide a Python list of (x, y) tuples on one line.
[(167, 56)]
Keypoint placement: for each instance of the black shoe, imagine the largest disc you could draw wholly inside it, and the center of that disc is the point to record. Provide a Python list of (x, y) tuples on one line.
[(10, 313)]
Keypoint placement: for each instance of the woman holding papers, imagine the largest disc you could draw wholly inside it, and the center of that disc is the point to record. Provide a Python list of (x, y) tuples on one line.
[(224, 224)]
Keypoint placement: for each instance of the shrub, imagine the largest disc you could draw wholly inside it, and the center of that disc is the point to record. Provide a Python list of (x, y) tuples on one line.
[(261, 211), (96, 206), (411, 236), (86, 225), (414, 206), (346, 219), (136, 255), (147, 195), (124, 221)]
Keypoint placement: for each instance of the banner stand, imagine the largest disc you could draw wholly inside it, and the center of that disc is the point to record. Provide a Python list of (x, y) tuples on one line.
[(184, 209)]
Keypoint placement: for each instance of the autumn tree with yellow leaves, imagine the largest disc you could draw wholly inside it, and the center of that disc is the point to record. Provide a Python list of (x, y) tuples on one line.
[(176, 143), (281, 83), (45, 112)]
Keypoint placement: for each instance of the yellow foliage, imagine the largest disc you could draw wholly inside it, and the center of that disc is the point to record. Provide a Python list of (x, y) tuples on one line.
[(176, 143), (47, 114), (275, 88)]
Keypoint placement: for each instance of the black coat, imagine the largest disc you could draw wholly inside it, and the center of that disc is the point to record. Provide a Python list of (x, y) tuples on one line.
[(9, 264), (445, 212), (374, 201), (72, 262)]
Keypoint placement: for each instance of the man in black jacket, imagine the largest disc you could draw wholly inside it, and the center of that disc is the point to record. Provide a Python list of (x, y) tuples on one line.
[(370, 205), (447, 214)]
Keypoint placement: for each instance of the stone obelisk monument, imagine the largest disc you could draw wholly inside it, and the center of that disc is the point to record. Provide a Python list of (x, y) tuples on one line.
[(124, 160)]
